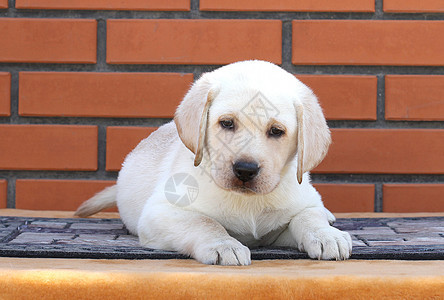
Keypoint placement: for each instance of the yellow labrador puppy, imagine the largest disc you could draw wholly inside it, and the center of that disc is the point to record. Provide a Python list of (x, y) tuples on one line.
[(231, 171)]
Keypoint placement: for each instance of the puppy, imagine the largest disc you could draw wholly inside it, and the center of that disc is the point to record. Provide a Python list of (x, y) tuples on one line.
[(231, 172)]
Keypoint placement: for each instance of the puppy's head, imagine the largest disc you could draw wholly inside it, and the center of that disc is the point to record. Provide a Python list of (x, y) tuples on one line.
[(252, 119)]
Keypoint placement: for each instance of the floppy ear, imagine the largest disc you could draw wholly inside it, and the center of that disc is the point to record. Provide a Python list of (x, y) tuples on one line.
[(313, 135), (191, 116)]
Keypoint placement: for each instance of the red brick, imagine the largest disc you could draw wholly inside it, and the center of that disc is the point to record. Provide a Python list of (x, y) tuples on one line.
[(396, 151), (289, 5), (411, 97), (345, 97), (180, 5), (101, 94), (193, 41), (3, 193), (413, 198), (48, 147), (347, 197), (120, 141), (368, 42), (3, 3), (5, 94), (48, 40), (413, 6), (56, 194)]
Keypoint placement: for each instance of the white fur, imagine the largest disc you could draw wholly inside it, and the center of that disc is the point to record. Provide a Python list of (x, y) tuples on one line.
[(222, 222)]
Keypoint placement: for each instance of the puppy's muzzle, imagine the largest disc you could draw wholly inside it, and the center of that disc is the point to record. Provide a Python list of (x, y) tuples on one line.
[(245, 171)]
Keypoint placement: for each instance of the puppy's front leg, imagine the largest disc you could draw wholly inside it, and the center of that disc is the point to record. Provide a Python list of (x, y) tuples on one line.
[(314, 235), (164, 226)]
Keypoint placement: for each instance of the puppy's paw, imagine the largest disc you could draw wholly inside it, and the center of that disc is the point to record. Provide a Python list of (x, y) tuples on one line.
[(227, 252), (330, 217), (327, 243)]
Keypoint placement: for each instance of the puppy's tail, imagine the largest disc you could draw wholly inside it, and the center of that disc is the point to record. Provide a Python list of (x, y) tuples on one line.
[(102, 200)]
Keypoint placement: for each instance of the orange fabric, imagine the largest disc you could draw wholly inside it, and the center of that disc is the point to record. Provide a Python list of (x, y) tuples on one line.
[(185, 279), (35, 278)]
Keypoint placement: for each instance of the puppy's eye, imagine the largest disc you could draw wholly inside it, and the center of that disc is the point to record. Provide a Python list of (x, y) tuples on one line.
[(275, 132), (227, 124)]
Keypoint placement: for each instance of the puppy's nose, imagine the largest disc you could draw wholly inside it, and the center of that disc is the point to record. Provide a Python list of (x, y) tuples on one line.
[(245, 171)]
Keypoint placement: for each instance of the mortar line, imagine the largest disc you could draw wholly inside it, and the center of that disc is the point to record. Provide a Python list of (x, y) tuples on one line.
[(378, 197), (379, 10), (189, 68), (380, 101), (101, 64), (286, 44), (194, 9), (196, 13), (10, 197), (101, 149), (11, 4), (14, 112)]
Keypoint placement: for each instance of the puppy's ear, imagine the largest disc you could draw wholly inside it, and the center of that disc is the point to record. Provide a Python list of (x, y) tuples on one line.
[(313, 134), (203, 129), (191, 116)]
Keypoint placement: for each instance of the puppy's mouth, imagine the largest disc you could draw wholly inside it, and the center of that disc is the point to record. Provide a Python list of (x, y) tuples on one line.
[(257, 186), (246, 188), (237, 186)]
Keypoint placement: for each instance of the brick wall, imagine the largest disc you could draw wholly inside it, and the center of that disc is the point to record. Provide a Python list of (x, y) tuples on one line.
[(82, 81)]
